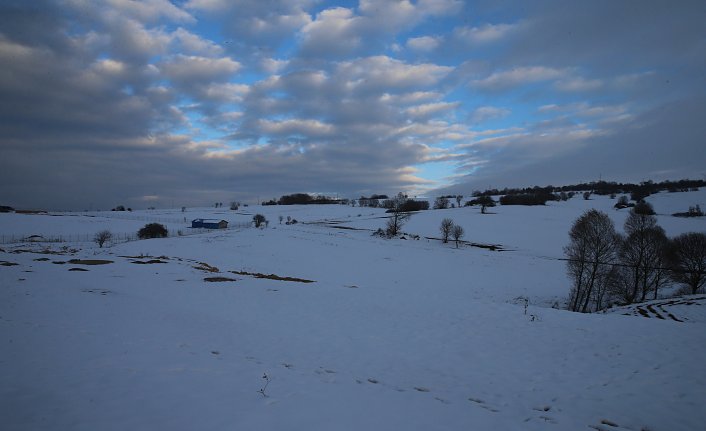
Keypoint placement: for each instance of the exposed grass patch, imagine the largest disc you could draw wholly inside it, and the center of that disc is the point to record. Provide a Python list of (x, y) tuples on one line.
[(272, 276), (6, 263), (78, 269), (148, 262), (63, 251), (218, 279), (41, 259), (202, 266), (90, 261)]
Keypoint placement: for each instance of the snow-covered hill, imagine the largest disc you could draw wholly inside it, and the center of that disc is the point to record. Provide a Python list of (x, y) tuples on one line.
[(390, 334)]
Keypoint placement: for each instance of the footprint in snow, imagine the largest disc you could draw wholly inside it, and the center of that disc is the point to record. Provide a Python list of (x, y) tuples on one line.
[(482, 404)]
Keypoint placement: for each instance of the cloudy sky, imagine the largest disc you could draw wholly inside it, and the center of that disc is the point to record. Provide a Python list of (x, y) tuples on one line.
[(189, 102)]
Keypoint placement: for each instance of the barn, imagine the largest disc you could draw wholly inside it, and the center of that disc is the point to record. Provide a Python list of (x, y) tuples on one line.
[(209, 223)]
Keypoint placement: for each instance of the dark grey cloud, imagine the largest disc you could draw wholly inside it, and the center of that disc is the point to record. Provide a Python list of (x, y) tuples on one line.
[(663, 143)]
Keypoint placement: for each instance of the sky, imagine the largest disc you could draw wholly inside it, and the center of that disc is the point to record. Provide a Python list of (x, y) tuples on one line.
[(182, 103)]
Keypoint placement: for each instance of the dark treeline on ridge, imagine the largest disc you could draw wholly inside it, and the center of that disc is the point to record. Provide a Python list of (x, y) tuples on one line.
[(645, 188)]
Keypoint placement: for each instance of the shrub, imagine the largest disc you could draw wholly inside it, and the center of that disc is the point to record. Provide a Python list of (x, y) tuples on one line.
[(441, 203), (101, 237), (153, 230), (694, 211), (623, 203), (643, 208), (259, 219)]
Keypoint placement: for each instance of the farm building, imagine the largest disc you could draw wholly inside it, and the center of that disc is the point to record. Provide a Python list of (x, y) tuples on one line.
[(209, 223)]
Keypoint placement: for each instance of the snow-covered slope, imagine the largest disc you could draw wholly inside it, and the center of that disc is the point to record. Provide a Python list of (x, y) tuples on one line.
[(391, 334)]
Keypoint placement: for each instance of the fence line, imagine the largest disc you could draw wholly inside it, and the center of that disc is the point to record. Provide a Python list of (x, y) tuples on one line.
[(117, 238)]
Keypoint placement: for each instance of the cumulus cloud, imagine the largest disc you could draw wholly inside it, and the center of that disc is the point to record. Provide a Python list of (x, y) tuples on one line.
[(335, 31), (190, 43), (338, 32), (256, 28), (483, 34), (381, 72), (190, 70), (309, 128), (118, 100), (424, 43)]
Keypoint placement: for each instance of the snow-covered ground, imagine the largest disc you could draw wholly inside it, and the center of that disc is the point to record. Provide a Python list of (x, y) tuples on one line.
[(391, 334)]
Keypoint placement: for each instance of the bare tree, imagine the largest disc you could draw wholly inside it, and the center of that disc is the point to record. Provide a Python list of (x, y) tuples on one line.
[(457, 233), (441, 203), (640, 255), (687, 260), (280, 219), (590, 257), (101, 237), (446, 226), (398, 217), (458, 200)]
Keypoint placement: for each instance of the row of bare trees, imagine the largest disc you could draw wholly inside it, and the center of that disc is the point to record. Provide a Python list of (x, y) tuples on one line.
[(450, 229), (609, 268)]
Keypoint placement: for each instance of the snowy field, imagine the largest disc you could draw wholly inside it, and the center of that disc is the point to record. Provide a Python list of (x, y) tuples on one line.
[(389, 334)]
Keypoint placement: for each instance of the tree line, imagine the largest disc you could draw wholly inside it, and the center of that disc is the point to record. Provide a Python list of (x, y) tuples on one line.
[(608, 268), (603, 188)]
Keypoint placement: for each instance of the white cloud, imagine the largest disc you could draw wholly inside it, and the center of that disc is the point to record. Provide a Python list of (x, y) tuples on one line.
[(273, 65), (189, 69), (424, 43), (191, 43), (411, 97), (518, 76), (431, 109), (279, 23), (384, 72), (144, 11), (336, 30), (150, 10), (486, 33), (224, 92), (208, 5), (403, 12), (296, 127), (131, 40)]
